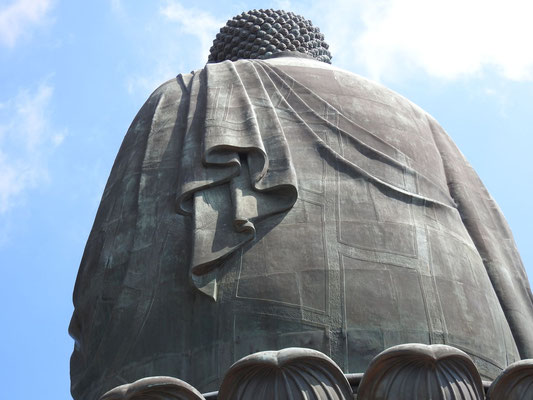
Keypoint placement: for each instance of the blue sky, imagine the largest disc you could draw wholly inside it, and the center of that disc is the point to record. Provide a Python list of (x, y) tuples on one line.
[(73, 74)]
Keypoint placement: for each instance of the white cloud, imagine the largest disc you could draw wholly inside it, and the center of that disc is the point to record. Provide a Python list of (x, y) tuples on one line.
[(171, 39), (19, 16), (282, 5), (194, 22), (146, 83), (116, 6), (445, 39), (26, 141)]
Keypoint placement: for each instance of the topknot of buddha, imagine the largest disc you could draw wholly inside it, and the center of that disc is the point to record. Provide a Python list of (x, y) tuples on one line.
[(259, 34)]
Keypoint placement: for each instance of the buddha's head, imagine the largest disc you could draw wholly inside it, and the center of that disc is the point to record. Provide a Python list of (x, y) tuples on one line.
[(260, 34)]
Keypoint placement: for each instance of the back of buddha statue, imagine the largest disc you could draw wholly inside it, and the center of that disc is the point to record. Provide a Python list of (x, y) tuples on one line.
[(282, 202)]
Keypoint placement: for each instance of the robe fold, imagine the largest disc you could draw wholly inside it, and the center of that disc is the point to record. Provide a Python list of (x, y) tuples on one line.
[(256, 205)]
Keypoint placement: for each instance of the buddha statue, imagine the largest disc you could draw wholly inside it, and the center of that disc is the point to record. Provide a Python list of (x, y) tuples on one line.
[(273, 200)]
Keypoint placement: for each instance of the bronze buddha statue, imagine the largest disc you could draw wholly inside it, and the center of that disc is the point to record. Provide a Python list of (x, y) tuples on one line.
[(272, 200)]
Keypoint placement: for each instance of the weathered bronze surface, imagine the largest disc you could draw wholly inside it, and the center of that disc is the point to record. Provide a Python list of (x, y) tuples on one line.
[(514, 383), (408, 371), (421, 372), (290, 373), (262, 204), (259, 34), (154, 388)]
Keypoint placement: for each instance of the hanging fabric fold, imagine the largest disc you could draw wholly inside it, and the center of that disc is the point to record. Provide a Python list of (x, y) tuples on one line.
[(364, 152), (236, 167)]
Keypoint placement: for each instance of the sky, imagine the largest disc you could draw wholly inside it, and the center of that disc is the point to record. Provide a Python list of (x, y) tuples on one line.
[(73, 74)]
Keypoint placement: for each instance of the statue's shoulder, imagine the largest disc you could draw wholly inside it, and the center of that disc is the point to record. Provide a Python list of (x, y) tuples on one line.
[(175, 87), (165, 101), (168, 96), (345, 88)]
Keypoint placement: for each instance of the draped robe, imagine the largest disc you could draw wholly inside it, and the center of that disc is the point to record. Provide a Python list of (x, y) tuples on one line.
[(256, 205)]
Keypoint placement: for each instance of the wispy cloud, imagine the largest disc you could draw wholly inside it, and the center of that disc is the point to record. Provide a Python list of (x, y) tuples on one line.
[(175, 39), (445, 39), (116, 6), (195, 22), (26, 141), (146, 83), (17, 18), (282, 5)]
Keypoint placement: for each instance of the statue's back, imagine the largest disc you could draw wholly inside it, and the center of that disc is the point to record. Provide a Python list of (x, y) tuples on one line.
[(342, 219)]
